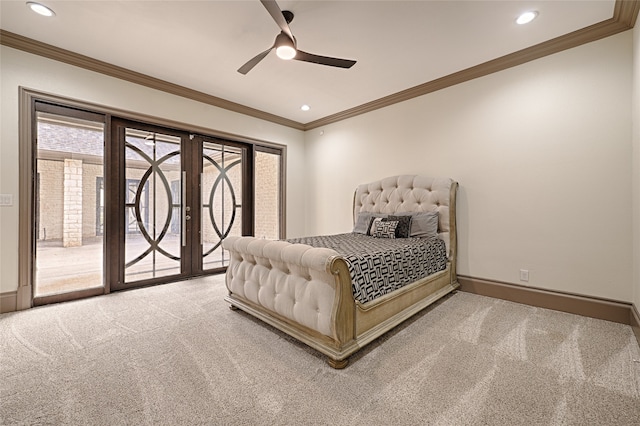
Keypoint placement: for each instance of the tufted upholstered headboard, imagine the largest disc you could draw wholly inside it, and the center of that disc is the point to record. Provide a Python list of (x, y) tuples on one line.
[(412, 193)]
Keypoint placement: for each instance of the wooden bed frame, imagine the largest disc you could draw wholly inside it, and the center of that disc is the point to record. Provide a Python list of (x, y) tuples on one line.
[(306, 292)]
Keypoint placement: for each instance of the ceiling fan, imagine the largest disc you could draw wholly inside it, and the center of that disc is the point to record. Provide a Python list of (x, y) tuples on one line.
[(286, 45)]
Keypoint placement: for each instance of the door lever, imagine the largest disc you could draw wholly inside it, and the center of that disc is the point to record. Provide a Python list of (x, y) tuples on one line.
[(183, 200)]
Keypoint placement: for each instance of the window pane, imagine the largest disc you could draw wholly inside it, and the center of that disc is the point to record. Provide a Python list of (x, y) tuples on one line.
[(69, 204), (153, 183), (221, 201), (267, 172)]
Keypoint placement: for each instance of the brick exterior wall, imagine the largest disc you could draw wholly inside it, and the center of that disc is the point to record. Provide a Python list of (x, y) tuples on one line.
[(50, 199), (72, 216), (90, 174), (51, 179), (267, 193)]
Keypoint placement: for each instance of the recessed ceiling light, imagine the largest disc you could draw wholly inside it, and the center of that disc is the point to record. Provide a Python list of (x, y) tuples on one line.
[(527, 17), (305, 107), (40, 9)]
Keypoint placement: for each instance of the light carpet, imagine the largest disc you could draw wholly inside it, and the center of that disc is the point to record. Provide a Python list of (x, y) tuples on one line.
[(176, 355)]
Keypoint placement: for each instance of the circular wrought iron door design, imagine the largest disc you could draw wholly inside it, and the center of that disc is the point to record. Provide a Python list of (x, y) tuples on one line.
[(153, 214), (221, 201)]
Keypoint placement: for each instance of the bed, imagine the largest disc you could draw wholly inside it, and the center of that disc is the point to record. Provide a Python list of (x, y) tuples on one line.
[(313, 293)]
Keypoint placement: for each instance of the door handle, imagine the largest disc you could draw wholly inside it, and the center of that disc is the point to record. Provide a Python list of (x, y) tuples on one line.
[(201, 213), (184, 209)]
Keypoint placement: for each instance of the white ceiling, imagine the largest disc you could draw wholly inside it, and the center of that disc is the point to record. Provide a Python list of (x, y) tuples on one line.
[(200, 44)]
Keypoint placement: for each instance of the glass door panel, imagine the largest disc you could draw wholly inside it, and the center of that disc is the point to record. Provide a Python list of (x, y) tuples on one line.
[(267, 195), (69, 172), (149, 206), (221, 196), (154, 182)]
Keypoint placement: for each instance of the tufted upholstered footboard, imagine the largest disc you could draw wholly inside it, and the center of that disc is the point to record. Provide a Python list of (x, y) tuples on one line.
[(307, 292), (293, 280)]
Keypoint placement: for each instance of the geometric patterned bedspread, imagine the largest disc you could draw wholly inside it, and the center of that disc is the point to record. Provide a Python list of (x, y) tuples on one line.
[(381, 265)]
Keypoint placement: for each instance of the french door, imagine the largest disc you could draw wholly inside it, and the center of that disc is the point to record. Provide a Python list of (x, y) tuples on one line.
[(115, 204), (178, 195)]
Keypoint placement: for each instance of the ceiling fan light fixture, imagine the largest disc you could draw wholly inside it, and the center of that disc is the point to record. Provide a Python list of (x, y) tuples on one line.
[(285, 48), (286, 52), (527, 17), (40, 9)]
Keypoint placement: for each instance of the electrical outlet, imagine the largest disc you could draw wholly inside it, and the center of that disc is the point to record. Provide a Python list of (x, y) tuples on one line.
[(524, 275)]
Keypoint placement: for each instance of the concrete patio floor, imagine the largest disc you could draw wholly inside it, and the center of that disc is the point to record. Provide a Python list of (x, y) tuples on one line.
[(63, 269)]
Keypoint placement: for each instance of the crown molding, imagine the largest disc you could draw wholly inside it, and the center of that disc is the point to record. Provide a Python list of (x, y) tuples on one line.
[(626, 12), (35, 47), (624, 18)]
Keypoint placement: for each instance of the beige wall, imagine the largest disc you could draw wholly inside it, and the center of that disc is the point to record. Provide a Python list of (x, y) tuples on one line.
[(541, 152), (22, 69), (636, 164)]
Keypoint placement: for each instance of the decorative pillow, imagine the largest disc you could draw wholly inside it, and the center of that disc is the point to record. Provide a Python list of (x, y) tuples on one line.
[(424, 225), (363, 220), (404, 225), (372, 223), (385, 229)]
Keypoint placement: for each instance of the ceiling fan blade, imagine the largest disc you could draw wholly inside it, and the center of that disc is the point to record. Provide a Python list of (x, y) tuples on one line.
[(253, 62), (276, 13), (323, 60)]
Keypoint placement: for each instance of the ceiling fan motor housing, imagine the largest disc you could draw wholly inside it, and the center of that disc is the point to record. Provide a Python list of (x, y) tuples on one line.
[(288, 16)]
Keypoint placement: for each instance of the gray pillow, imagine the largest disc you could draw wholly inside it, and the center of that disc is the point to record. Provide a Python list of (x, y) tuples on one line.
[(363, 221), (424, 225)]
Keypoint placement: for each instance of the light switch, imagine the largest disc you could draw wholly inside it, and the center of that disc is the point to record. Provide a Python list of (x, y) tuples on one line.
[(6, 199)]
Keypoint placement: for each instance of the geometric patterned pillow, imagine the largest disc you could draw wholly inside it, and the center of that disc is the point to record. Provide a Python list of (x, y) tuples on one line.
[(372, 224), (385, 229)]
